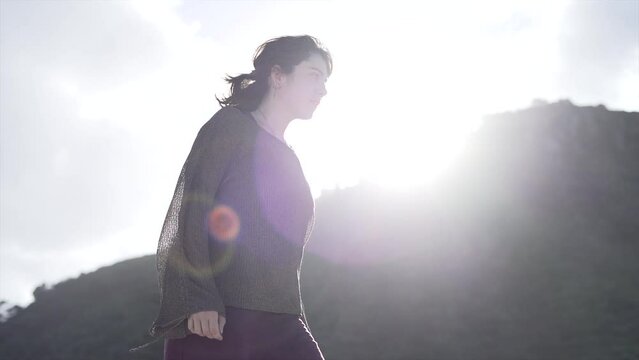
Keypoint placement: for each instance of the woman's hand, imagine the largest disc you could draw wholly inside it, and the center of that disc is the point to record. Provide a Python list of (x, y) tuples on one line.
[(207, 323)]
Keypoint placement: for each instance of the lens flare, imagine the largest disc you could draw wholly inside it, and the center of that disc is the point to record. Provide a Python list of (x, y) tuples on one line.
[(223, 223), (219, 263)]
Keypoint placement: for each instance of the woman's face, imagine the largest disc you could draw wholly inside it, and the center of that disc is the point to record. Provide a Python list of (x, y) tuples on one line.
[(302, 90)]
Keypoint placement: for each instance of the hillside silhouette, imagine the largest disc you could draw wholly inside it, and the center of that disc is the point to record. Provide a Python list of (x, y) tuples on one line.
[(527, 250)]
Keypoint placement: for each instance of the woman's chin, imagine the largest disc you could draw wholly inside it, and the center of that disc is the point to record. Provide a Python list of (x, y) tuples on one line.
[(306, 115)]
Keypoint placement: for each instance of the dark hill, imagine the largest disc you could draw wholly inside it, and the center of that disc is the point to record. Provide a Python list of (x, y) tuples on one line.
[(529, 251), (95, 316)]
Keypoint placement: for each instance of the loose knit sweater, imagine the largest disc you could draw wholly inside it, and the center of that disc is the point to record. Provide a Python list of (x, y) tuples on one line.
[(235, 231)]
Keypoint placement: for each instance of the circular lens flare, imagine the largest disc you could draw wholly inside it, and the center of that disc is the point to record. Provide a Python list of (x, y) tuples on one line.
[(223, 223)]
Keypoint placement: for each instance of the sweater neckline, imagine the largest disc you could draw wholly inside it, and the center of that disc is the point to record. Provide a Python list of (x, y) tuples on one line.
[(254, 121)]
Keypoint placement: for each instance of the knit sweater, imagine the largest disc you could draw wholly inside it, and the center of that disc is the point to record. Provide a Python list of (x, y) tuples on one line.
[(235, 231)]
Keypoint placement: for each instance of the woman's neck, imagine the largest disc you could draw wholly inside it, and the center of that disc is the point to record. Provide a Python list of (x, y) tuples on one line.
[(271, 121)]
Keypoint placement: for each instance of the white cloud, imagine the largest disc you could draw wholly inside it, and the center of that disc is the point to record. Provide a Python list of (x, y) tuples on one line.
[(599, 44), (100, 101), (92, 93)]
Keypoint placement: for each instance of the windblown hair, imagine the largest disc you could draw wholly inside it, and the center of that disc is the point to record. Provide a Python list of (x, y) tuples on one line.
[(248, 90)]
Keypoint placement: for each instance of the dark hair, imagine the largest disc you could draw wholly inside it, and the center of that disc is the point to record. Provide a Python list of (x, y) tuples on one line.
[(248, 90)]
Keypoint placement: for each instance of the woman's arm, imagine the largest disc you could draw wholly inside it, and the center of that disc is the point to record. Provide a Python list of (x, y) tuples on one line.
[(210, 158), (186, 274)]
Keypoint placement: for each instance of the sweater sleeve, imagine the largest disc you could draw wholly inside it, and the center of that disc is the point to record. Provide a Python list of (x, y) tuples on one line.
[(215, 147), (186, 274)]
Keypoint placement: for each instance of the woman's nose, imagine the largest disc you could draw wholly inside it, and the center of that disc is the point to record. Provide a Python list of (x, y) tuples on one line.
[(322, 89)]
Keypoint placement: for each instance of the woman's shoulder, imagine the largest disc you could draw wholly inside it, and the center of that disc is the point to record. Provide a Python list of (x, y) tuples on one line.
[(231, 113), (229, 127), (228, 118)]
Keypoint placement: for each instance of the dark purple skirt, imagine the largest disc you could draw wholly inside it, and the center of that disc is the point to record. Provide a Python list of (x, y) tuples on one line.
[(249, 335)]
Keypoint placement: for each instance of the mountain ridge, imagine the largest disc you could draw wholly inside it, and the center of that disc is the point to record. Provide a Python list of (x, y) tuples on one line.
[(527, 251)]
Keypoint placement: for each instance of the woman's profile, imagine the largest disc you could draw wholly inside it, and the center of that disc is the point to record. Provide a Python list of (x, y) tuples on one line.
[(230, 250)]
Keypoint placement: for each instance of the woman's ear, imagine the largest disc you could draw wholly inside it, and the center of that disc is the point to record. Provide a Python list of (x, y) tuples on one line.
[(278, 77)]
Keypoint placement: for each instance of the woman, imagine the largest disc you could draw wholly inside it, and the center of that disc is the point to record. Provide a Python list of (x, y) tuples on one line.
[(230, 250)]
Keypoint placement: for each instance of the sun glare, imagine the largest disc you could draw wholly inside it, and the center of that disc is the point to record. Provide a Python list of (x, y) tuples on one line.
[(398, 137), (417, 152), (408, 103)]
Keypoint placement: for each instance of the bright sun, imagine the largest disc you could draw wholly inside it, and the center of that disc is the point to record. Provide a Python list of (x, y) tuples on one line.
[(398, 148), (400, 109), (417, 152), (398, 138)]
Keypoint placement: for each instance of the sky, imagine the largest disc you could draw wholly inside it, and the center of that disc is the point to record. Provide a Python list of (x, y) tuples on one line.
[(100, 102)]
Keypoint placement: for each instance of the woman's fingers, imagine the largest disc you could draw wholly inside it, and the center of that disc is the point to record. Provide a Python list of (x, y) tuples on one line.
[(206, 328), (198, 326), (221, 322), (215, 330), (194, 324), (191, 324), (207, 323)]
